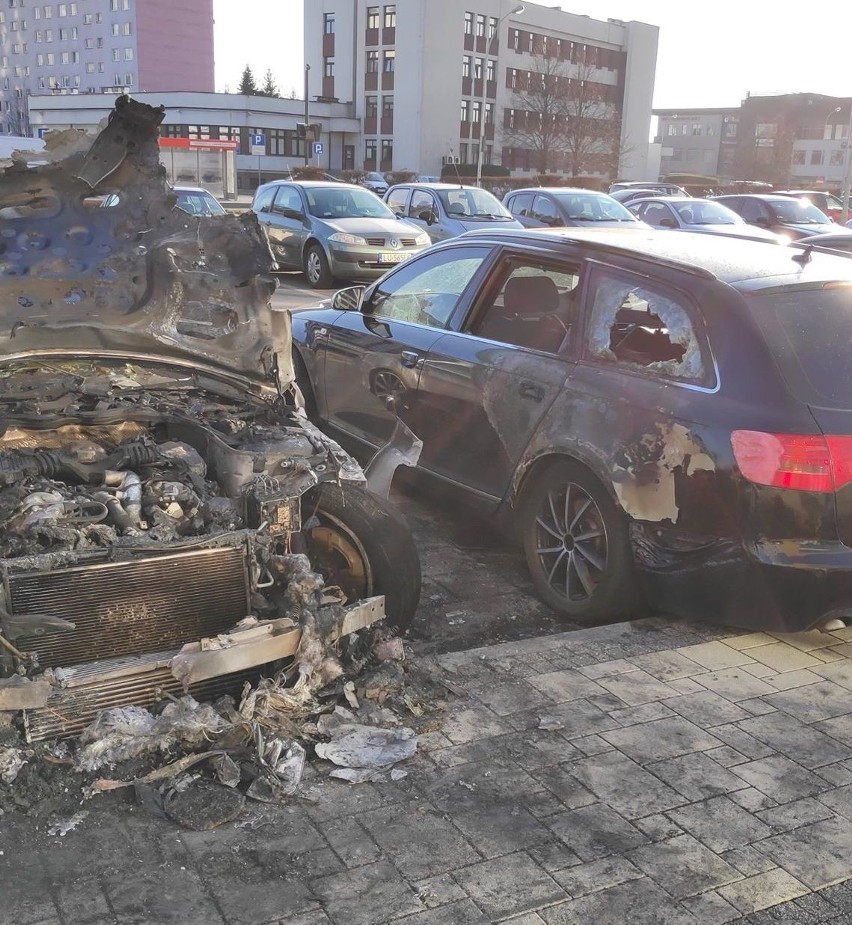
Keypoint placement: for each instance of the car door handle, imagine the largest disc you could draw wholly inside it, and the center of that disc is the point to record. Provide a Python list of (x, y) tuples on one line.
[(531, 390), (410, 359)]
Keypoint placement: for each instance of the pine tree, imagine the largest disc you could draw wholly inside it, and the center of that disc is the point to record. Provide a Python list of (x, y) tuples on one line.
[(269, 88), (247, 86)]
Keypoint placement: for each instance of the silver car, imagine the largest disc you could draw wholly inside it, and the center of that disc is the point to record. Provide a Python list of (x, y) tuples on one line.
[(333, 230), (445, 210)]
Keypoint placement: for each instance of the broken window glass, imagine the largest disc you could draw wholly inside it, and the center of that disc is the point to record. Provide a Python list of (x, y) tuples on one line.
[(641, 327)]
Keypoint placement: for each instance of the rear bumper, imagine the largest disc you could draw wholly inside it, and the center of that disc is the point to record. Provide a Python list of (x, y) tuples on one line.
[(787, 586)]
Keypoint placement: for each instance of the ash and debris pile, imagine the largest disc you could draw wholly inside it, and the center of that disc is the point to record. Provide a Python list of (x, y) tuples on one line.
[(349, 710)]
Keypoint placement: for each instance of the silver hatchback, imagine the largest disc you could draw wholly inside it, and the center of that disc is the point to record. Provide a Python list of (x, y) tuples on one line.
[(333, 231)]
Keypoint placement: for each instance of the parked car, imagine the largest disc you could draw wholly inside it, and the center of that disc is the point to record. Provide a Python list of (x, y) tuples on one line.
[(423, 178), (668, 409), (627, 196), (333, 230), (375, 182), (842, 241), (563, 206), (445, 210), (158, 483), (669, 189), (825, 202), (698, 215), (197, 201), (795, 218)]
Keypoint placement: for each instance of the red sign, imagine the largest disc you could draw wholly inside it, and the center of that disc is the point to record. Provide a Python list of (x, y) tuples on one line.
[(200, 144)]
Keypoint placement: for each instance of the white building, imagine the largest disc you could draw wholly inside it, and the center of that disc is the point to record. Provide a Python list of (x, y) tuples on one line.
[(414, 71)]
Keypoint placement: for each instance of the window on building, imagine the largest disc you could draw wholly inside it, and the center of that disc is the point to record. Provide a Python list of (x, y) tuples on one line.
[(126, 29), (390, 16), (372, 62), (37, 12), (89, 43), (468, 23), (491, 70), (475, 111), (389, 61), (128, 54), (50, 59), (370, 148), (463, 154), (328, 23), (372, 17), (492, 26), (465, 110), (65, 57), (466, 61), (387, 107), (90, 67), (477, 68), (200, 131), (371, 109), (671, 129), (62, 9), (48, 35), (710, 130), (387, 151), (480, 25), (88, 19), (39, 60), (116, 54), (696, 128), (816, 158), (489, 114), (765, 129), (328, 67), (277, 141), (48, 12), (115, 28), (113, 5)]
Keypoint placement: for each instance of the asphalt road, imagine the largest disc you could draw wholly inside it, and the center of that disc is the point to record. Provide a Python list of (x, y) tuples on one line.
[(476, 588)]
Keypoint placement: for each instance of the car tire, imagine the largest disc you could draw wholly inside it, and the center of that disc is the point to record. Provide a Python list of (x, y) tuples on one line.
[(303, 381), (317, 270), (577, 545), (360, 543)]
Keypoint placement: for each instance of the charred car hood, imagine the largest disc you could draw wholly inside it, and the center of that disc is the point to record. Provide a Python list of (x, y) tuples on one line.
[(96, 261)]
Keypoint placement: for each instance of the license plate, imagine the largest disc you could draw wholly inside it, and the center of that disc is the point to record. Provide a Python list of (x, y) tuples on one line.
[(393, 258)]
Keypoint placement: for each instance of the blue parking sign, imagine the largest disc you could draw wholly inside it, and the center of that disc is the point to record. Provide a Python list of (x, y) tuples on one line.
[(319, 148)]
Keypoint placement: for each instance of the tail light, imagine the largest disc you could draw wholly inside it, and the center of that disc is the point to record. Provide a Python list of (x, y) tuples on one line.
[(802, 462)]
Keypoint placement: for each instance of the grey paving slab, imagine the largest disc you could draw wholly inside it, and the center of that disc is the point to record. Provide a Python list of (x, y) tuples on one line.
[(658, 827), (174, 897), (501, 829), (667, 665), (684, 865), (564, 785), (553, 856), (576, 718), (665, 738), (596, 831), (696, 776), (816, 855), (636, 687), (793, 815), (720, 824), (780, 778), (762, 891), (563, 686), (511, 697), (813, 702), (742, 741), (752, 799), (422, 841), (707, 709), (350, 841), (597, 875), (715, 655), (343, 895), (748, 860), (780, 656), (458, 913), (475, 723), (646, 713), (625, 785), (809, 747), (839, 800), (439, 891), (711, 909), (639, 902), (839, 774), (509, 885), (735, 684), (787, 680), (839, 728), (807, 641)]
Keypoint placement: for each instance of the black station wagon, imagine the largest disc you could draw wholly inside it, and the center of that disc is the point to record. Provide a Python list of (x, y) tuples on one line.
[(667, 417)]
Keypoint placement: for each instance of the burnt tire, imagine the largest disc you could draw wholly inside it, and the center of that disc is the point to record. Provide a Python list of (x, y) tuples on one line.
[(577, 545), (317, 271), (360, 543)]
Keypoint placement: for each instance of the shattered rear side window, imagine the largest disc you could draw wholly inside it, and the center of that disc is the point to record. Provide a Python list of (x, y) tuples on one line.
[(635, 325)]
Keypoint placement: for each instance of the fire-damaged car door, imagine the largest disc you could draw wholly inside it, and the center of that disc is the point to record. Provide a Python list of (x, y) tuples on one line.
[(373, 357), (485, 387)]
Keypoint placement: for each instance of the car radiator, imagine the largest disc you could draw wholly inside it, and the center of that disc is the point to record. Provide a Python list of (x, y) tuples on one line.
[(130, 618)]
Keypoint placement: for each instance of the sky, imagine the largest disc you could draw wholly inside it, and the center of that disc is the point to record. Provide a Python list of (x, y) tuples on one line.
[(709, 54)]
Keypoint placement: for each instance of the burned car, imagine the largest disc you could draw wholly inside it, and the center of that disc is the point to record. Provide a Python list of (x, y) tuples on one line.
[(657, 413), (167, 508)]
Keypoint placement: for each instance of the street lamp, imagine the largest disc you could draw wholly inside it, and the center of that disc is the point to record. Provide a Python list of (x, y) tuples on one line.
[(489, 51)]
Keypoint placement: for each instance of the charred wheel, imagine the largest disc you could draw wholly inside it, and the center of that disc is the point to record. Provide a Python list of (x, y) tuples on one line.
[(358, 542), (577, 545)]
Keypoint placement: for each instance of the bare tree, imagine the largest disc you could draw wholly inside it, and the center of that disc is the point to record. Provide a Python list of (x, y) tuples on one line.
[(563, 115)]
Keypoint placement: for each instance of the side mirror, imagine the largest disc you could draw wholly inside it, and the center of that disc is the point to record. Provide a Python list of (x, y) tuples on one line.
[(668, 223), (350, 299), (428, 216), (761, 220)]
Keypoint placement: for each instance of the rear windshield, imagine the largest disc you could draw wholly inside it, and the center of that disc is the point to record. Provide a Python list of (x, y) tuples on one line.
[(810, 333)]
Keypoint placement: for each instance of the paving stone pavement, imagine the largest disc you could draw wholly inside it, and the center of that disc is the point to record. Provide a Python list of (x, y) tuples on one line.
[(673, 784)]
